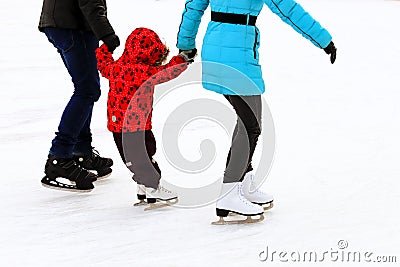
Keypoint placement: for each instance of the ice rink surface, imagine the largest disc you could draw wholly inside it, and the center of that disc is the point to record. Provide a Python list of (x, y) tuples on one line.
[(336, 168)]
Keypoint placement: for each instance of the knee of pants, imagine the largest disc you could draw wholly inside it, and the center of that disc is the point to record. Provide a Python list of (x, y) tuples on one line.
[(96, 95), (253, 128), (250, 130), (151, 149), (92, 95), (255, 131), (88, 85)]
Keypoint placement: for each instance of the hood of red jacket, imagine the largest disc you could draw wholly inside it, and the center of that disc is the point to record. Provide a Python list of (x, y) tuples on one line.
[(143, 46)]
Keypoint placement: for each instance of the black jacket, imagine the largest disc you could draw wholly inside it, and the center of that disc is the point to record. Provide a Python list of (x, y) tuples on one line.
[(86, 15)]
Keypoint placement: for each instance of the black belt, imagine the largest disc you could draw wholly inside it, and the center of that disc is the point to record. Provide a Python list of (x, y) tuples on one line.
[(233, 18)]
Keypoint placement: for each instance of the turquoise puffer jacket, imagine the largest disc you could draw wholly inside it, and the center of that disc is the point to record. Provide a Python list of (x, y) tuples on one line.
[(230, 60)]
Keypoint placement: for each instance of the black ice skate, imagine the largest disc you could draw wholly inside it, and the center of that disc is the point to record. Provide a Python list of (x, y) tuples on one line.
[(93, 162), (67, 169)]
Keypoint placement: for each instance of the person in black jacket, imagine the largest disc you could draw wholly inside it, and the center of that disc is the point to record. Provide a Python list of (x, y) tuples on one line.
[(74, 27)]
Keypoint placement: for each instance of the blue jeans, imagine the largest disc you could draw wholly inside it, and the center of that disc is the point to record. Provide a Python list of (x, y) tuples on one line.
[(77, 51)]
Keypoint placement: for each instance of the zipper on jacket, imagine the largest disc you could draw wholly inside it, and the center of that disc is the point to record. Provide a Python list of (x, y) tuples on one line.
[(255, 44)]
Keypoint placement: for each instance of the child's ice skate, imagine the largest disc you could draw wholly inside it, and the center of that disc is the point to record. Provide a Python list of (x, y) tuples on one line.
[(255, 195), (232, 200), (160, 197), (94, 162), (141, 195)]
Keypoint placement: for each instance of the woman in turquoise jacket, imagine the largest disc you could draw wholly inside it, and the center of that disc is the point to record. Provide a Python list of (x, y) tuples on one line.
[(231, 67)]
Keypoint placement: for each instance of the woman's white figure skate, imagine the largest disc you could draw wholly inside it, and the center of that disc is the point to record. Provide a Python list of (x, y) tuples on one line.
[(141, 195), (232, 200), (254, 195), (160, 197)]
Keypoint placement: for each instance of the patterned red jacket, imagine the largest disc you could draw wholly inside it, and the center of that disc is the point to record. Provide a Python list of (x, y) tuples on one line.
[(133, 77)]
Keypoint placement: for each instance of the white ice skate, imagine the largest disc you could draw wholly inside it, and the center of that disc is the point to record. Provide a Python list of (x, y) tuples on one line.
[(255, 195), (160, 197), (232, 200), (141, 195)]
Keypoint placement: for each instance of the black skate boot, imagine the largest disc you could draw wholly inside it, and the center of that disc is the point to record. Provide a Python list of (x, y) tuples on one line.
[(94, 162), (68, 169)]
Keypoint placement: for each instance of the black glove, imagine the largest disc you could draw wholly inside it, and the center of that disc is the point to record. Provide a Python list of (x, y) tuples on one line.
[(189, 55), (331, 50), (111, 41)]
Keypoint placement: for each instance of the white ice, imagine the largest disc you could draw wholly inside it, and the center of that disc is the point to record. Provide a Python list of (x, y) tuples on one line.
[(335, 174)]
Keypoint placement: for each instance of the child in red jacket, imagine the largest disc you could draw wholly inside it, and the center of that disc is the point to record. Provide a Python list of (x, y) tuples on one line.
[(130, 103)]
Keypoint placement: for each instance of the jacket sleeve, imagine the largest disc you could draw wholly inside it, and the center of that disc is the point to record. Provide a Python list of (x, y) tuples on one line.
[(169, 71), (191, 18), (95, 12), (105, 61), (294, 15)]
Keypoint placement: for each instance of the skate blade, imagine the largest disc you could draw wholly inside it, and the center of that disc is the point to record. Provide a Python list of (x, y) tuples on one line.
[(249, 219), (101, 178), (140, 203), (67, 189), (161, 204), (170, 202), (270, 206), (104, 174)]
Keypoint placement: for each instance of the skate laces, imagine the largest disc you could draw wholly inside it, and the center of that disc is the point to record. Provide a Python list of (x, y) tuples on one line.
[(95, 152), (95, 155), (252, 186), (242, 197), (71, 164), (97, 160), (76, 170), (68, 164), (161, 188)]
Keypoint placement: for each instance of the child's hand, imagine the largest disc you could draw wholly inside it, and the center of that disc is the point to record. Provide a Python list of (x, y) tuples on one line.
[(111, 41), (188, 55)]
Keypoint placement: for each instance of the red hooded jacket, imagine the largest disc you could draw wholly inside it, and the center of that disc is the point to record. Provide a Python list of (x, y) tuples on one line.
[(133, 78)]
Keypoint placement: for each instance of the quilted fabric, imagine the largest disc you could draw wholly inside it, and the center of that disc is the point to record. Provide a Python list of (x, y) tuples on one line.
[(230, 51), (132, 79)]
